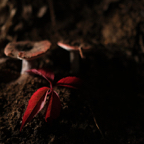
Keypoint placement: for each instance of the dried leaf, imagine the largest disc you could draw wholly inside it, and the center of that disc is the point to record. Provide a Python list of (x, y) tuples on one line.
[(35, 104), (70, 82), (42, 11), (54, 107)]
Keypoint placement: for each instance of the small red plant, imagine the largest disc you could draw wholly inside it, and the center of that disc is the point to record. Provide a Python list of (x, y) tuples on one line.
[(38, 99)]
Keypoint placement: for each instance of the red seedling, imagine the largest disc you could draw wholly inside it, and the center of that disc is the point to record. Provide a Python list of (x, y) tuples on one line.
[(38, 99)]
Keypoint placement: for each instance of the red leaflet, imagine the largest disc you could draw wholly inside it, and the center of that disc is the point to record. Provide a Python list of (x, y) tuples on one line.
[(38, 99), (47, 74), (36, 103), (70, 82), (54, 107)]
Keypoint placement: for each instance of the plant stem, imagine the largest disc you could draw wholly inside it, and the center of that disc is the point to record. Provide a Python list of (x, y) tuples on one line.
[(52, 15), (95, 121)]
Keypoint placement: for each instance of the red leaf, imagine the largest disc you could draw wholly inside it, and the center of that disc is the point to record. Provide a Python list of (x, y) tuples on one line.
[(70, 82), (35, 104), (47, 74), (54, 107)]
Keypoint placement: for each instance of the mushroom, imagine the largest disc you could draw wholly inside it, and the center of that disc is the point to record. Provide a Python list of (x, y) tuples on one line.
[(27, 51), (75, 51)]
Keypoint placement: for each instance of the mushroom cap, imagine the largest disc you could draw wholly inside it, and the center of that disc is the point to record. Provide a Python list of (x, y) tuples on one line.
[(26, 49), (67, 47), (72, 48)]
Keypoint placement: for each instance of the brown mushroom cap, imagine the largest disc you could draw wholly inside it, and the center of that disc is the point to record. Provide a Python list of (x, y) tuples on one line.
[(67, 47), (72, 48), (26, 49)]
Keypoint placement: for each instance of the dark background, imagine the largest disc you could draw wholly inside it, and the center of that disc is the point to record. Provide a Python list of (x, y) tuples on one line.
[(112, 71)]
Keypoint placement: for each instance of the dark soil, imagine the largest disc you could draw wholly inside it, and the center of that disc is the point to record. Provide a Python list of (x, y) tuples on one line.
[(109, 108)]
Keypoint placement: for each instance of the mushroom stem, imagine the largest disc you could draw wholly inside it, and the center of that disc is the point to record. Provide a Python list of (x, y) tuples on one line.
[(74, 61), (26, 65)]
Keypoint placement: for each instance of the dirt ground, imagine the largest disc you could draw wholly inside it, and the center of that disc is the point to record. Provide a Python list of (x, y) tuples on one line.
[(109, 108)]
